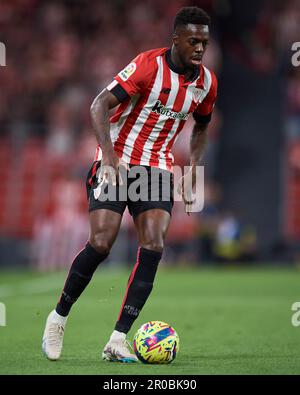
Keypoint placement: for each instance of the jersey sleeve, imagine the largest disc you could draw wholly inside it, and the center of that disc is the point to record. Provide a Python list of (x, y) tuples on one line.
[(133, 79), (203, 111)]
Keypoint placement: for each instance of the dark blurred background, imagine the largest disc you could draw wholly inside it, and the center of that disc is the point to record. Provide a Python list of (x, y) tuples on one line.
[(61, 54)]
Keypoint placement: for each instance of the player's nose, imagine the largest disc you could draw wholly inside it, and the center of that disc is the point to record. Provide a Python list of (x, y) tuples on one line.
[(199, 48)]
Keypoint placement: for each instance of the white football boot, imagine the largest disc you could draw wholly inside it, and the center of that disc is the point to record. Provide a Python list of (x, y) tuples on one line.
[(53, 335), (118, 349)]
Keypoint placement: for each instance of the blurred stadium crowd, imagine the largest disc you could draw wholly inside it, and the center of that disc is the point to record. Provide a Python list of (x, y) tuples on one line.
[(60, 55)]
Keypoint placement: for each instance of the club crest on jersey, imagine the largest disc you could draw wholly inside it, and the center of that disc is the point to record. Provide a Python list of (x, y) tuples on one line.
[(127, 72), (198, 95)]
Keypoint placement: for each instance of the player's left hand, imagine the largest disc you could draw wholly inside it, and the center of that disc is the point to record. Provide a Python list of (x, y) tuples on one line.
[(107, 174), (185, 188)]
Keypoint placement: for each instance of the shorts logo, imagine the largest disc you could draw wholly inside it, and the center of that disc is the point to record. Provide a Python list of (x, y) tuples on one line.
[(127, 72), (198, 95)]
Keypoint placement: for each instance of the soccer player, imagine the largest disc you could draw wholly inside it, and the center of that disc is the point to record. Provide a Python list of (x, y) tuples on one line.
[(155, 93)]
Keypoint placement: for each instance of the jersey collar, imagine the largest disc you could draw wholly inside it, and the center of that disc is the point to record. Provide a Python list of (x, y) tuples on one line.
[(179, 70)]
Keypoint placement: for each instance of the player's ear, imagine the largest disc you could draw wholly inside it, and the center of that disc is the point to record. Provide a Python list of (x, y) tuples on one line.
[(175, 39)]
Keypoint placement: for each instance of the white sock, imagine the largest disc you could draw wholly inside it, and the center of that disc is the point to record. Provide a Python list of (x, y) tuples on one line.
[(59, 319), (116, 335)]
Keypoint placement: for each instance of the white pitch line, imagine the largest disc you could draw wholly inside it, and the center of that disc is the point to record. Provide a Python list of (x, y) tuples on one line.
[(5, 291), (40, 285), (31, 287)]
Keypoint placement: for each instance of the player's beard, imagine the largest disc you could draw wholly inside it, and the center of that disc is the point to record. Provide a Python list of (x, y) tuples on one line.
[(187, 66)]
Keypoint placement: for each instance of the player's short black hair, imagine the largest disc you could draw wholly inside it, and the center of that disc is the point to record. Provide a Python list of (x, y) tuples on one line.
[(194, 15)]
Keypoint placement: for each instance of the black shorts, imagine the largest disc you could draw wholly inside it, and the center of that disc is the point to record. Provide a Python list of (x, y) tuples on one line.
[(154, 191)]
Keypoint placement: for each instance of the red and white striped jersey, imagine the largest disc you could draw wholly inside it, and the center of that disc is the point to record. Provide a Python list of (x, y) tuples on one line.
[(156, 102)]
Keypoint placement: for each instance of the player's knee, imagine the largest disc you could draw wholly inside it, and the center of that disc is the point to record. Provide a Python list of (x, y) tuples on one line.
[(152, 239), (153, 245), (100, 244)]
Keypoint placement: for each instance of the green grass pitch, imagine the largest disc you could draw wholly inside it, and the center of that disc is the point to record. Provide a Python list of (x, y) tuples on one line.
[(230, 321)]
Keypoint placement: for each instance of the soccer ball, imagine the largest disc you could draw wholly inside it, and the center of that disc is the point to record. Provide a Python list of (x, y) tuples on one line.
[(156, 342)]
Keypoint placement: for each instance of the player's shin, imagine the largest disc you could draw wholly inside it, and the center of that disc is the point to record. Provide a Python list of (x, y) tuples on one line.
[(80, 274), (139, 287)]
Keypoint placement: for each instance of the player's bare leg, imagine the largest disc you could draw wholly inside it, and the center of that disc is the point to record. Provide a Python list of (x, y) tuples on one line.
[(152, 226), (104, 227)]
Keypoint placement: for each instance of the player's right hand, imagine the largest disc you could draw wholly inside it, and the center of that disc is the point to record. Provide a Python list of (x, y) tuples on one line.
[(185, 188)]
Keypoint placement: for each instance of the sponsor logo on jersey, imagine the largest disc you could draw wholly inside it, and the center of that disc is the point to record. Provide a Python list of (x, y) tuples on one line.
[(162, 110), (127, 72)]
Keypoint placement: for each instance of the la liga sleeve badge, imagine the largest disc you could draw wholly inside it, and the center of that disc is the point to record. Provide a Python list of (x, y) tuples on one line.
[(127, 72)]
